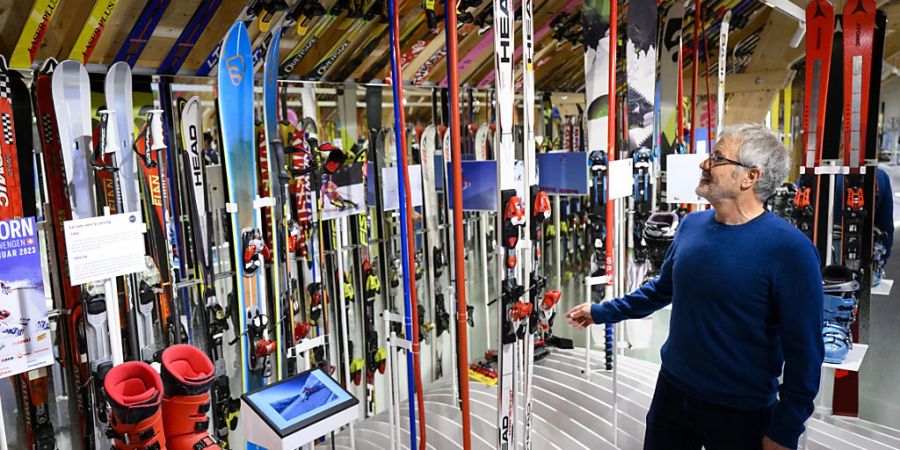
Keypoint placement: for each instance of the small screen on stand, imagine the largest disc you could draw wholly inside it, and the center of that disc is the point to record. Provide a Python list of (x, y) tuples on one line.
[(299, 401)]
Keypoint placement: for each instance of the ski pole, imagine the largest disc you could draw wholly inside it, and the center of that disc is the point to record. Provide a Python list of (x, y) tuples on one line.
[(459, 243)]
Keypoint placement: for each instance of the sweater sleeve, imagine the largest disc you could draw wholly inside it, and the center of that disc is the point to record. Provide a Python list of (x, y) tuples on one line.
[(798, 301), (650, 297)]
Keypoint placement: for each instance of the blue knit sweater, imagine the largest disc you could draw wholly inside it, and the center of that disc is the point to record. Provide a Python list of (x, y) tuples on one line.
[(746, 302)]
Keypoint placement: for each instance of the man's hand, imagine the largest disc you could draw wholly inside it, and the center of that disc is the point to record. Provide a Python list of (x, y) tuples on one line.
[(580, 316), (769, 444)]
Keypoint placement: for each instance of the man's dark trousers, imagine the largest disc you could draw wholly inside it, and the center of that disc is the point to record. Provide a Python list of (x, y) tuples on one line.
[(678, 422)]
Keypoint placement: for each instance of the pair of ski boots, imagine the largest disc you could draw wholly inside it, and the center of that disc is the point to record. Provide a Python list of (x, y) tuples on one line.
[(839, 312), (156, 412)]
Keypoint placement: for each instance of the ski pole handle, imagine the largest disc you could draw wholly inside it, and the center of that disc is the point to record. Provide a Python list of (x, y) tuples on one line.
[(157, 139)]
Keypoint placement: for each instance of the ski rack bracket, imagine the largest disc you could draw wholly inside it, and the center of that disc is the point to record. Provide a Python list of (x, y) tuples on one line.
[(263, 202), (393, 406)]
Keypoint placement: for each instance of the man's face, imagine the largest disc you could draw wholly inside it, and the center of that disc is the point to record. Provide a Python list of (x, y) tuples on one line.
[(721, 175)]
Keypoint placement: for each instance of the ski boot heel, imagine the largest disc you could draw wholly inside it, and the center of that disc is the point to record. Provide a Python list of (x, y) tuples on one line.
[(187, 374), (135, 394), (837, 343)]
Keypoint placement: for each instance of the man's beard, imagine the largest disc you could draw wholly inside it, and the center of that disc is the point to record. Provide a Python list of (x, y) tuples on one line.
[(713, 191)]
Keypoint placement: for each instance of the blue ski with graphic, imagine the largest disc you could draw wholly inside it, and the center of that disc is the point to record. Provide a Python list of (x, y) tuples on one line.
[(142, 31), (247, 16), (235, 79), (189, 36)]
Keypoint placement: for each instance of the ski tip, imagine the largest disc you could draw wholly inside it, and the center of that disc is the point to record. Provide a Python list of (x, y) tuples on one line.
[(48, 66)]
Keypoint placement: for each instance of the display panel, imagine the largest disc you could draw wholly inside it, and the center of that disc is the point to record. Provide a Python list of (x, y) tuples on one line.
[(299, 401)]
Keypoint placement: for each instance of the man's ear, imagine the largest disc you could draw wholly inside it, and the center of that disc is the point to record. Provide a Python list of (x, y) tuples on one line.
[(753, 176)]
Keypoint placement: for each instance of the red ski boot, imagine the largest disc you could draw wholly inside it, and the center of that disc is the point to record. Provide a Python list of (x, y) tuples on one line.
[(135, 392), (187, 374)]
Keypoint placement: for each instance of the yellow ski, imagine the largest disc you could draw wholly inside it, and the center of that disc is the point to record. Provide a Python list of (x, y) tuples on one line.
[(33, 33), (93, 28)]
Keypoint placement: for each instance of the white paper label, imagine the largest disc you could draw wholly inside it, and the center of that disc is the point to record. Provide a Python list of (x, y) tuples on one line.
[(682, 178), (390, 187), (621, 178), (104, 247)]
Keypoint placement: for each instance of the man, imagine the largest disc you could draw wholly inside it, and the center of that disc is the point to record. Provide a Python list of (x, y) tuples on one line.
[(746, 295)]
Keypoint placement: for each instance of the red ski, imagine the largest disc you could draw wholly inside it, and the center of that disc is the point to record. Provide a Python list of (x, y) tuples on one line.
[(820, 28), (10, 189), (859, 36)]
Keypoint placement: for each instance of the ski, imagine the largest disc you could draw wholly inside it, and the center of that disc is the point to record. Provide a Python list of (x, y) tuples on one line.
[(434, 54), (670, 79), (860, 47), (375, 270), (820, 27), (235, 77), (33, 33), (92, 30), (142, 31), (211, 63), (17, 200), (71, 100), (539, 35), (361, 24), (10, 189), (60, 211), (272, 177), (640, 52), (304, 45), (276, 18), (511, 219), (189, 36), (723, 60)]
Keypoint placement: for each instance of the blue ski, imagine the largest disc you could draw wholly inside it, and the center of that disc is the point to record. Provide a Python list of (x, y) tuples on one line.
[(235, 76), (189, 36), (142, 31)]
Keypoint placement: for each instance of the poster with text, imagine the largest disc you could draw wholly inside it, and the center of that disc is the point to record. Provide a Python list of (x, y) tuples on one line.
[(25, 342)]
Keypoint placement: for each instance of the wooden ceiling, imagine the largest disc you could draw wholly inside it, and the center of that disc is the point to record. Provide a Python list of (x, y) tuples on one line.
[(558, 51), (557, 25)]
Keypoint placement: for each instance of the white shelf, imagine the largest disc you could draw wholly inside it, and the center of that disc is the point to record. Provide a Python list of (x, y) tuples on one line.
[(853, 360), (883, 288)]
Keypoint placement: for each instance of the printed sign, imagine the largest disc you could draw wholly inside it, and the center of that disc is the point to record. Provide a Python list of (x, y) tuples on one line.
[(389, 187), (25, 342), (104, 247)]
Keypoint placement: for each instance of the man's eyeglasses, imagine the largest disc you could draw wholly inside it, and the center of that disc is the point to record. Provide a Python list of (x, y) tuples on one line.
[(716, 159)]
